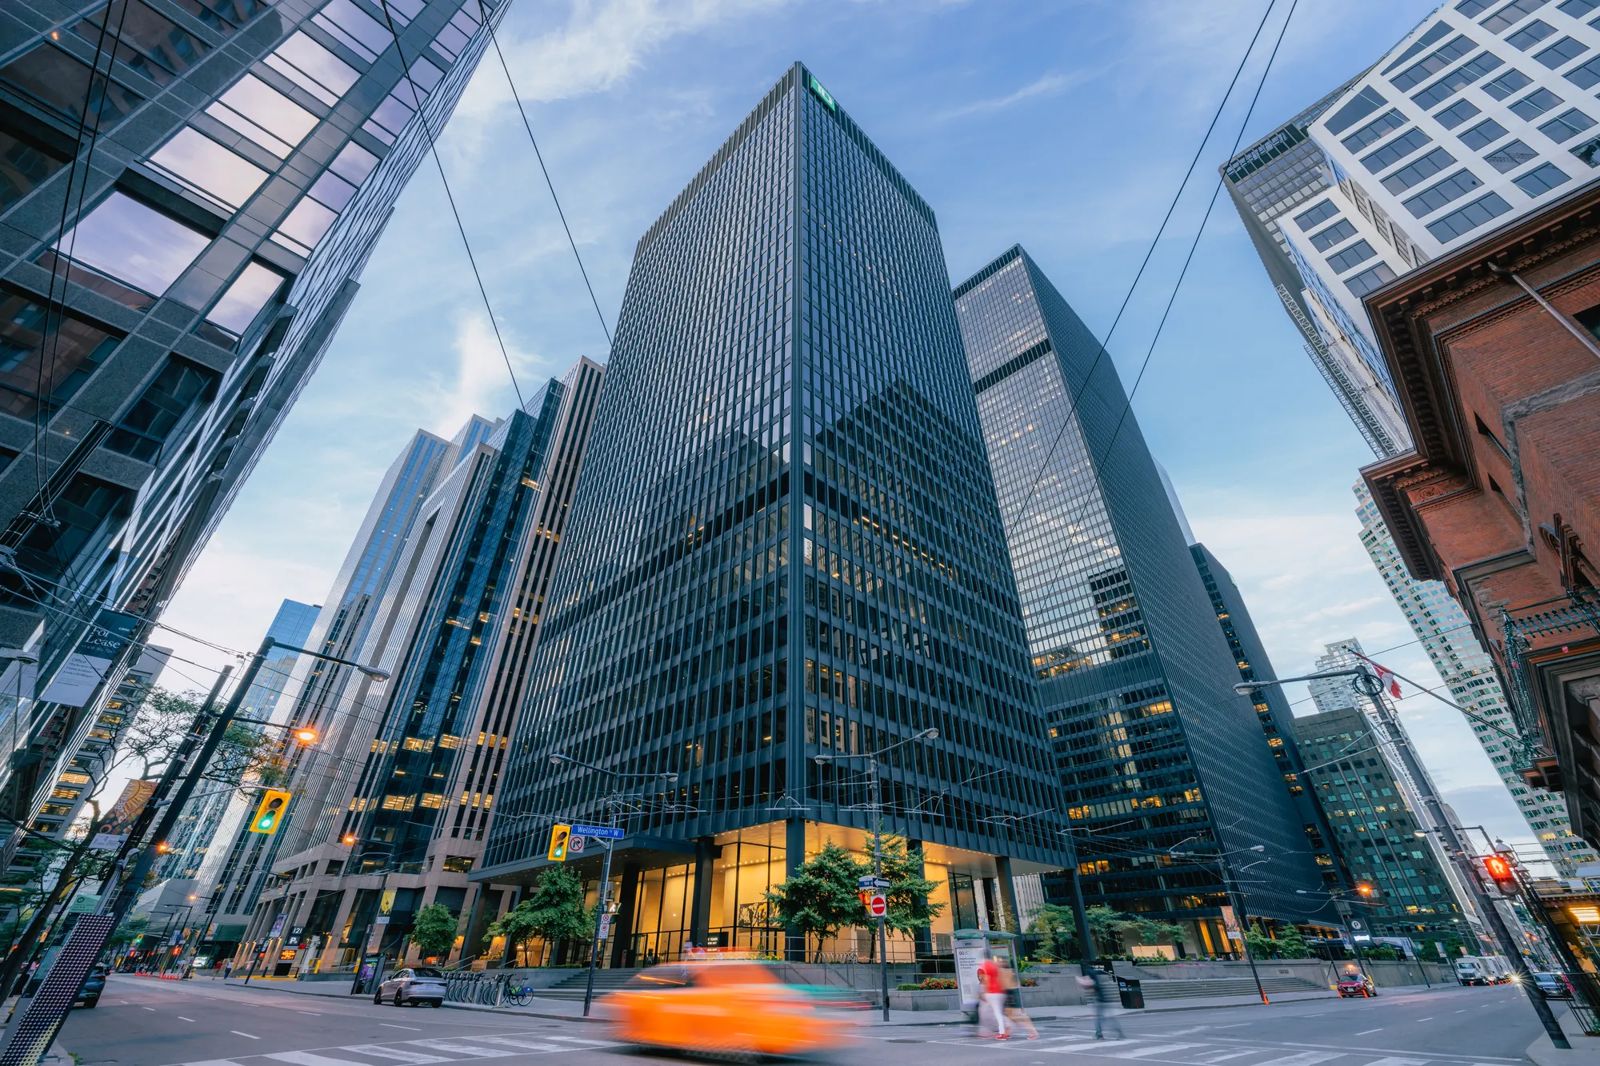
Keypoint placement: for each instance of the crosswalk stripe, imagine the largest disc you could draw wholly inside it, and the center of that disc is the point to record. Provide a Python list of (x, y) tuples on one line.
[(1389, 1061), (461, 1047), (212, 1062), (583, 1040), (398, 1054), (1223, 1056), (306, 1058), (1061, 1048), (1305, 1058), (525, 1043), (1134, 1053)]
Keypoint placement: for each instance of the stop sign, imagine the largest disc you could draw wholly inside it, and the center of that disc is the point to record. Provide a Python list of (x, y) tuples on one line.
[(877, 906)]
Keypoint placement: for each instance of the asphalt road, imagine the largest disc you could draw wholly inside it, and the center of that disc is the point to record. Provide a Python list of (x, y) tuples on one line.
[(142, 1022)]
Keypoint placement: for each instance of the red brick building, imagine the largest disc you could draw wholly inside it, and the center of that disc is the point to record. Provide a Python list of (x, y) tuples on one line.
[(1493, 350)]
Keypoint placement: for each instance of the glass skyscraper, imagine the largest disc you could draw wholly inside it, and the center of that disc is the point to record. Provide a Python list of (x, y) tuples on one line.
[(784, 544), (188, 191), (1159, 755)]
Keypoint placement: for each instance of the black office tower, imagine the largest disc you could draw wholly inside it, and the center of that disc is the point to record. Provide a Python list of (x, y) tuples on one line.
[(784, 544), (1167, 773)]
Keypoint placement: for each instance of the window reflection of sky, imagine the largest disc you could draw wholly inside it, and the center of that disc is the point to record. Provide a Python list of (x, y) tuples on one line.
[(245, 298), (134, 243), (206, 166)]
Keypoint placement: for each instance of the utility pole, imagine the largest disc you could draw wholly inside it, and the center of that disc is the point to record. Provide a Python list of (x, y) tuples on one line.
[(1085, 941)]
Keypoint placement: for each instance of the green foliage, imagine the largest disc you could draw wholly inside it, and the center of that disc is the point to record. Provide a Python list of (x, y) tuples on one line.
[(1055, 926), (434, 931), (908, 891), (1292, 944), (1102, 921), (820, 899), (553, 912), (1382, 953), (1258, 943), (128, 932)]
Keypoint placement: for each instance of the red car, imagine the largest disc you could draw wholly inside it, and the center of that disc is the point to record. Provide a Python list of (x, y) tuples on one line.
[(1356, 984)]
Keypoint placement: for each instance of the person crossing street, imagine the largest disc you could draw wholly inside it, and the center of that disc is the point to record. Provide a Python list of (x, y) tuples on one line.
[(992, 983)]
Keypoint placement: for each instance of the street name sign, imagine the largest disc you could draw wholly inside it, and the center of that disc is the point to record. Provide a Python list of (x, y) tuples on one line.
[(872, 882), (604, 832)]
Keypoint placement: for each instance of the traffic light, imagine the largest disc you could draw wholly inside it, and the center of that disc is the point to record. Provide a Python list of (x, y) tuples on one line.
[(1501, 873), (269, 812), (559, 835)]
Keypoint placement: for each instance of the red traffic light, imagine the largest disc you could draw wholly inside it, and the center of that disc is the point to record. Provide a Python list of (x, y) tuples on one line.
[(1500, 872)]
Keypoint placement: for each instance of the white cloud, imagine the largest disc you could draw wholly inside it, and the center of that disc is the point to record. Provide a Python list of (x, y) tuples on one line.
[(1044, 85), (480, 383)]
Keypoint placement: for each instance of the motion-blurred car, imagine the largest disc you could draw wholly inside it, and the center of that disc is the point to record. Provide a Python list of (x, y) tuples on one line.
[(1356, 984), (1552, 985), (734, 1008), (419, 984), (89, 992)]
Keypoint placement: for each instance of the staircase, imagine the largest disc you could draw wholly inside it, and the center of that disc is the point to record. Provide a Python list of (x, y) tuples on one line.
[(572, 987), (1224, 986)]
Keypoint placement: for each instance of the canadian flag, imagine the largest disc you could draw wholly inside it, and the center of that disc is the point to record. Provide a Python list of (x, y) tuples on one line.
[(1386, 676)]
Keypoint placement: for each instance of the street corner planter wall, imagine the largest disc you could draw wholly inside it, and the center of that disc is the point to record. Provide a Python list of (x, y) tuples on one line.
[(930, 999)]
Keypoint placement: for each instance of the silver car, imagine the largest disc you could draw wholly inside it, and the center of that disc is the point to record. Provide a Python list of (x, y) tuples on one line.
[(418, 984)]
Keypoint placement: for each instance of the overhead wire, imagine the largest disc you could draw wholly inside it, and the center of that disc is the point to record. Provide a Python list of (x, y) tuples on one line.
[(517, 97), (419, 99)]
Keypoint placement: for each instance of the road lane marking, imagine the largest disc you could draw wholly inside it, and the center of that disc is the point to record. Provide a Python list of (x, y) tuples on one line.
[(585, 1041), (247, 1036), (181, 1018), (1364, 1032), (1429, 1018), (1463, 1010), (152, 1010), (313, 1013), (306, 1058), (398, 1054), (1398, 1062), (213, 1062), (1223, 1056), (1437, 1056), (391, 1025), (1060, 1049), (522, 1044)]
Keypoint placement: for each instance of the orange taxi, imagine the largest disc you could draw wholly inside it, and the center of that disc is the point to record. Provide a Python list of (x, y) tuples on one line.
[(734, 1008)]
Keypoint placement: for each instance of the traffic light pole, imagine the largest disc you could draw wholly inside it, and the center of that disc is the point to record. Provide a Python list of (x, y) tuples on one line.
[(599, 916)]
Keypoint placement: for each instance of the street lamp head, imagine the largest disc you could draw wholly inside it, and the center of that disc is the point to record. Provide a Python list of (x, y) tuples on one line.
[(557, 758), (306, 736), (928, 734), (670, 777), (1258, 847), (375, 673), (820, 760), (1246, 688)]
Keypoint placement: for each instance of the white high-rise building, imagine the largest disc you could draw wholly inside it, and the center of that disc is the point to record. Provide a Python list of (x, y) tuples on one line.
[(1485, 111)]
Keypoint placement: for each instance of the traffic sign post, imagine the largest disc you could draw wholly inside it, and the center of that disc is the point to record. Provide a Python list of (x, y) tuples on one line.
[(604, 832), (877, 906)]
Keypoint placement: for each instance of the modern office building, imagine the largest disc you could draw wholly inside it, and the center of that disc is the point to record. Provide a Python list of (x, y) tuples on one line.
[(392, 816), (1272, 711), (784, 546), (1376, 828), (85, 772), (232, 876), (189, 191), (1158, 753), (211, 820), (1484, 112)]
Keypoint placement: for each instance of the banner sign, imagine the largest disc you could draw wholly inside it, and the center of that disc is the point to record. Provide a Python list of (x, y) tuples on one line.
[(86, 668)]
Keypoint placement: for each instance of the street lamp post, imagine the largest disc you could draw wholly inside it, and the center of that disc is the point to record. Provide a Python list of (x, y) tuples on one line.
[(604, 891), (872, 761), (1230, 888), (1085, 939)]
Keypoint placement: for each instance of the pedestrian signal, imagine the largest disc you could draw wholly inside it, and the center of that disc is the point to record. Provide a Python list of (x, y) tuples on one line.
[(560, 835), (1501, 873), (270, 811)]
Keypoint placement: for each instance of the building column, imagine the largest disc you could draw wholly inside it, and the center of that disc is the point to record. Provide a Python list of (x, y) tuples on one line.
[(330, 949), (921, 938), (622, 927), (1008, 893), (700, 909), (794, 856)]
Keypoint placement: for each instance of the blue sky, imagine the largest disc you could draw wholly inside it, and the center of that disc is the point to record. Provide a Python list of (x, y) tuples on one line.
[(1064, 125)]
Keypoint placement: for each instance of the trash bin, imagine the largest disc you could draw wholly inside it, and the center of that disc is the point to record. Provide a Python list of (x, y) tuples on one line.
[(1132, 995)]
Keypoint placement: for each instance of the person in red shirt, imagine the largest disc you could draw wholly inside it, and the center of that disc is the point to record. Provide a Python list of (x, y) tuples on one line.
[(994, 993)]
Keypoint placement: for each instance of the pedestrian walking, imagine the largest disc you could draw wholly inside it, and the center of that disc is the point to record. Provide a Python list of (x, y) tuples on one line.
[(227, 968), (1013, 1008), (1099, 987), (992, 983)]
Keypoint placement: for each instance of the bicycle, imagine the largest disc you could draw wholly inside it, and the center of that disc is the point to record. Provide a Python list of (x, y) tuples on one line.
[(520, 995)]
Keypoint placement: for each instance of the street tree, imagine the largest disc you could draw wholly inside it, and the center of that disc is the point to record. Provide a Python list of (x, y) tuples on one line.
[(1103, 922), (433, 932), (820, 898), (1055, 926), (1292, 944), (1259, 944), (553, 912), (909, 908)]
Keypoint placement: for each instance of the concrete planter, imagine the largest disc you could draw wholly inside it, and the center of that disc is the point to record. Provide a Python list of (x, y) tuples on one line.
[(931, 999)]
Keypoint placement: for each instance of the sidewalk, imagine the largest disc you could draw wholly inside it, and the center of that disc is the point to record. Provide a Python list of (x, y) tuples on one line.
[(572, 1010)]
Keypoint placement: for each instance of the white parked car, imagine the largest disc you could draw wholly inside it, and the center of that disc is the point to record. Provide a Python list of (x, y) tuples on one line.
[(418, 984)]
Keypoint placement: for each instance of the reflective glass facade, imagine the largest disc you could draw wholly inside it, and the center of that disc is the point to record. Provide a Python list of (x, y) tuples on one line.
[(784, 543), (1156, 750), (229, 165)]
